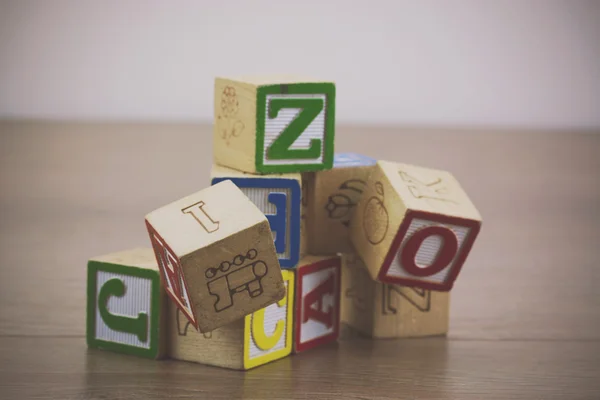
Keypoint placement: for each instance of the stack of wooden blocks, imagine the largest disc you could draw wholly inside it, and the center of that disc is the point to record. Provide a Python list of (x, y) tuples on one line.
[(288, 242)]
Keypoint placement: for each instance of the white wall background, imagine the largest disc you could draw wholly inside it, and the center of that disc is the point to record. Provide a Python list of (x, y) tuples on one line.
[(461, 62)]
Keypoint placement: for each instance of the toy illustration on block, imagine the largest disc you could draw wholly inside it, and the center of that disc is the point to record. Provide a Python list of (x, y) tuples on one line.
[(288, 242), (279, 198), (381, 310), (317, 315), (256, 339), (331, 197), (216, 256), (126, 304), (414, 226), (274, 124)]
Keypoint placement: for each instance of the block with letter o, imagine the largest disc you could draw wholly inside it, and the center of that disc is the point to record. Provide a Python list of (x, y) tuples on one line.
[(414, 226)]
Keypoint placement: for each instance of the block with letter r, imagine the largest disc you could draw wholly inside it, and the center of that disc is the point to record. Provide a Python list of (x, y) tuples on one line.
[(279, 198), (274, 124)]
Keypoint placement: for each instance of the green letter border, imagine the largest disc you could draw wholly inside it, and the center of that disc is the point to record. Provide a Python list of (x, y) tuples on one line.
[(326, 88), (92, 299)]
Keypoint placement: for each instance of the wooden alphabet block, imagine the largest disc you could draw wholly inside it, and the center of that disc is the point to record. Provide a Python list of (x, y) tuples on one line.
[(126, 304), (331, 199), (274, 124), (279, 198), (382, 311), (414, 226), (317, 315), (261, 337), (216, 256)]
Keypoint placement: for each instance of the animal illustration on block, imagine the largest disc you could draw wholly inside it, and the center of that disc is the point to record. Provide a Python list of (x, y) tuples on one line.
[(331, 198)]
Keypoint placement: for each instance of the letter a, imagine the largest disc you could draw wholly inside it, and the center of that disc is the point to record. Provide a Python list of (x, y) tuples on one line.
[(315, 297)]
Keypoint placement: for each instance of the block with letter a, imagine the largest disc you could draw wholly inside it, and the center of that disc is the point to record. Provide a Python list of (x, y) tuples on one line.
[(279, 197), (216, 256), (317, 315), (274, 124), (414, 226)]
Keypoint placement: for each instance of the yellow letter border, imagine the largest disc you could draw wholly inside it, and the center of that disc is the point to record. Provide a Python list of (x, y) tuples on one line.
[(288, 277)]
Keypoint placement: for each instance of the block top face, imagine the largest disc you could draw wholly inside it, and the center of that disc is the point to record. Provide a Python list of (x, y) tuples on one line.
[(342, 160), (429, 190), (295, 127), (205, 217), (266, 80), (138, 257)]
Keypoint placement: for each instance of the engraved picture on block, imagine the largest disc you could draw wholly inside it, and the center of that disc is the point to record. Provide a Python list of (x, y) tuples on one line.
[(274, 124)]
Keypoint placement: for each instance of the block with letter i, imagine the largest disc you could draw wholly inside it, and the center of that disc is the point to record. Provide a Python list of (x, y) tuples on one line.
[(331, 197), (317, 307), (258, 338), (216, 256), (274, 124), (279, 198), (383, 311), (414, 226), (126, 304)]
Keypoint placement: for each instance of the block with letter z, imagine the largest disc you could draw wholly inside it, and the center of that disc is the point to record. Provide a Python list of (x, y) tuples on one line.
[(274, 124)]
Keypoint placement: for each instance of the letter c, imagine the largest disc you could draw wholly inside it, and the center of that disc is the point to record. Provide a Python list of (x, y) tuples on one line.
[(261, 339)]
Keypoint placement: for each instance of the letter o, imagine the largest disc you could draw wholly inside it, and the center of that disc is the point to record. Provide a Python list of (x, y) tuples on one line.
[(449, 248)]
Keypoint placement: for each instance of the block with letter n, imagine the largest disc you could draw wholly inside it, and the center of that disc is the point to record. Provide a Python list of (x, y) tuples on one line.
[(257, 339), (126, 304), (317, 315), (279, 198), (414, 226), (274, 124)]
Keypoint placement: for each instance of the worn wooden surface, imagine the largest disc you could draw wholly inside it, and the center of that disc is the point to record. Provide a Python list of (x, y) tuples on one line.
[(525, 311)]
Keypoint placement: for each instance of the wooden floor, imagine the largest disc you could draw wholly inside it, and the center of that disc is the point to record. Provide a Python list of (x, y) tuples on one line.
[(525, 313)]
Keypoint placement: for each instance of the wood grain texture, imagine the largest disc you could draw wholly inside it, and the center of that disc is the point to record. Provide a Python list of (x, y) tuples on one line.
[(332, 196), (414, 226), (217, 255), (524, 315), (390, 311), (279, 196)]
